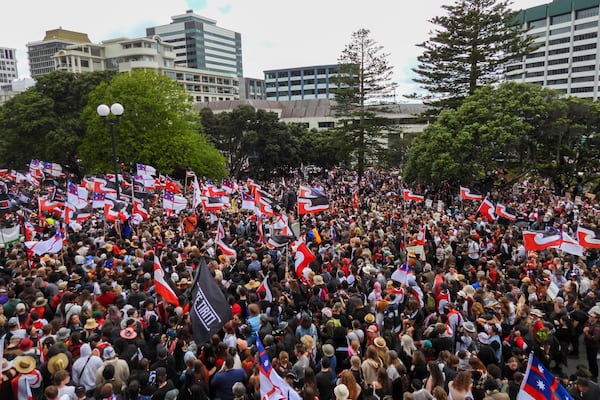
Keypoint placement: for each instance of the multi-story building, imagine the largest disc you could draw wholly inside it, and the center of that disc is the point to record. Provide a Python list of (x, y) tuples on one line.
[(10, 90), (199, 43), (8, 65), (41, 52), (568, 59), (300, 83), (147, 53), (319, 114), (252, 89)]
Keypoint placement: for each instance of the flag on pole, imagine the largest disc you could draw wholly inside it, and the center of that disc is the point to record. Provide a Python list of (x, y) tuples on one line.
[(503, 213), (302, 258), (197, 199), (539, 383), (587, 238), (264, 287), (272, 386), (465, 194), (161, 285), (487, 209), (410, 196), (209, 309), (52, 245)]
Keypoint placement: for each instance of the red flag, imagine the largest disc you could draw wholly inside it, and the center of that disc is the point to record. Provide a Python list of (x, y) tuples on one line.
[(501, 212), (171, 186), (465, 194), (303, 258), (587, 238), (540, 240), (161, 285), (487, 209), (410, 196)]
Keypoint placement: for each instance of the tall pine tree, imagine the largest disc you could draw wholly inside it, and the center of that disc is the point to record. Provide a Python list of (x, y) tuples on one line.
[(468, 50), (364, 83)]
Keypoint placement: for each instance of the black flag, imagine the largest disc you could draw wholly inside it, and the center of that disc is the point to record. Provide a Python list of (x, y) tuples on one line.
[(209, 309)]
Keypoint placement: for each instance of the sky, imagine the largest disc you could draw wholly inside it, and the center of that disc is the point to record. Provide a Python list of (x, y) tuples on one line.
[(275, 33)]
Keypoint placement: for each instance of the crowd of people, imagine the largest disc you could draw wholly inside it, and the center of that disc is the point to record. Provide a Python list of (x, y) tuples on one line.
[(385, 312)]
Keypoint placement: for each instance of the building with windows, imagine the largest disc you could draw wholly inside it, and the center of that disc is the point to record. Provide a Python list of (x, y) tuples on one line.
[(319, 114), (300, 83), (147, 53), (253, 89), (567, 59), (8, 65), (199, 43), (41, 53)]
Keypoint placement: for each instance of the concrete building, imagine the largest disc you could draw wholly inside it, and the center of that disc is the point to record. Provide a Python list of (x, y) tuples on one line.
[(319, 114), (8, 65), (41, 53), (568, 59), (9, 90), (300, 83), (253, 89), (199, 43), (147, 53)]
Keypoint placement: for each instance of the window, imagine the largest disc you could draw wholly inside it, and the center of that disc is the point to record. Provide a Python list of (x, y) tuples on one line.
[(587, 25), (588, 12), (516, 67), (582, 79), (584, 68), (269, 75), (558, 19), (309, 81), (560, 30), (308, 72), (590, 35), (534, 74), (535, 55), (558, 61), (584, 58), (296, 92), (295, 82), (557, 82), (321, 71), (585, 47), (559, 41), (533, 65), (540, 23), (558, 71), (296, 73), (582, 90), (282, 74), (558, 51), (326, 124)]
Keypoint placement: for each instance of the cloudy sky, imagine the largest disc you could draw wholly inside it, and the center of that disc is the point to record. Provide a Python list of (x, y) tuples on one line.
[(275, 33)]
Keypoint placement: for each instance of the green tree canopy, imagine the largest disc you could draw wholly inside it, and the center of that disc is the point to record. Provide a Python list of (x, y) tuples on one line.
[(157, 128), (44, 121), (521, 127), (468, 49), (364, 80)]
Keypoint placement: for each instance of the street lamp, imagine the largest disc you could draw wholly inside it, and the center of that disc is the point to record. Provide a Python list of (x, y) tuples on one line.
[(117, 110)]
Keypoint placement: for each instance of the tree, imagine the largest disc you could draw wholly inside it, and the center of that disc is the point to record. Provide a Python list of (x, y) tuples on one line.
[(364, 80), (520, 127), (44, 121), (473, 42), (255, 141), (158, 127)]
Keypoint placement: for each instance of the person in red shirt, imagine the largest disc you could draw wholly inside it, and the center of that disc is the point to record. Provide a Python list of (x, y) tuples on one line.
[(107, 297)]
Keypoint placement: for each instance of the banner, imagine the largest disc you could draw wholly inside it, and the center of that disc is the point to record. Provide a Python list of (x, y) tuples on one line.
[(209, 309), (8, 235)]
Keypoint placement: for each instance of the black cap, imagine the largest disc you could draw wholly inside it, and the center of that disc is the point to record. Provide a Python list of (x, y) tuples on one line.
[(80, 389)]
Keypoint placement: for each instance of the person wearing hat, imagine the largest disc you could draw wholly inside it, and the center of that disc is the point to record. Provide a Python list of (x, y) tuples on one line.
[(465, 337), (341, 392), (27, 376), (110, 358)]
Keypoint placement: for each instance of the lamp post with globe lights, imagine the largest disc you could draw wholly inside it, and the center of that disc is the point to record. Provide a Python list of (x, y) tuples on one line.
[(104, 111)]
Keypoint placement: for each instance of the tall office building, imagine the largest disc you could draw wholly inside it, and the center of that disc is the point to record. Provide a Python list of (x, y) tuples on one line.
[(200, 43), (8, 65), (567, 60), (300, 83), (41, 52)]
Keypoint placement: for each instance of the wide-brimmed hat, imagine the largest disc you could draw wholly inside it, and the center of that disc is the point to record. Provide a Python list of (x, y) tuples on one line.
[(536, 312), (328, 350), (63, 334), (5, 365), (469, 326), (341, 392), (40, 302), (58, 362), (128, 333), (75, 277), (369, 318), (379, 342), (183, 282), (318, 280), (90, 323), (253, 284), (23, 364)]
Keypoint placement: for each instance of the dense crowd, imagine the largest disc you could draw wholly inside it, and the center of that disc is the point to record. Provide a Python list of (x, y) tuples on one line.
[(472, 303)]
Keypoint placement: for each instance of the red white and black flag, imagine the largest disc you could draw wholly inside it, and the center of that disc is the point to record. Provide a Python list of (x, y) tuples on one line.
[(209, 309)]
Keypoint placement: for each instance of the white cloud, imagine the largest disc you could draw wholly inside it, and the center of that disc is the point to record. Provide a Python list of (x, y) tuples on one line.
[(275, 33)]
